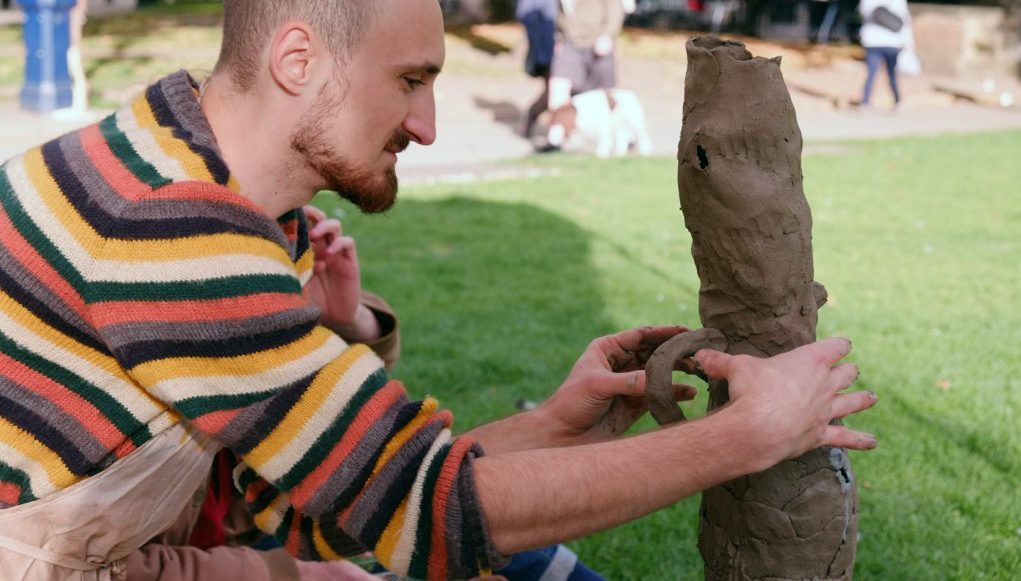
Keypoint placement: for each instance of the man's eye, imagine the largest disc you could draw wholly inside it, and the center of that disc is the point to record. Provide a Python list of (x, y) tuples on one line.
[(413, 82)]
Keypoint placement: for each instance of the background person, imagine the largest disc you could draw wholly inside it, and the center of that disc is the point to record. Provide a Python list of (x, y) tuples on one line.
[(539, 19), (584, 58), (885, 31)]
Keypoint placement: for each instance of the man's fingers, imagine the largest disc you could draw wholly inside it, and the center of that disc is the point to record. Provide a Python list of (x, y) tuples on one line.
[(341, 244), (843, 437), (715, 364), (632, 339), (841, 376), (852, 403), (629, 350), (826, 351), (326, 228), (314, 214), (658, 335), (633, 384), (609, 384), (830, 350)]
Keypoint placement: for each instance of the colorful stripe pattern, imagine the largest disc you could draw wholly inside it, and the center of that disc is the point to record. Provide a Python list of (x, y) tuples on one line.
[(139, 289)]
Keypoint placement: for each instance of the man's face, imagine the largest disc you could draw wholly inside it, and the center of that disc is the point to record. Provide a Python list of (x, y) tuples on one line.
[(376, 104)]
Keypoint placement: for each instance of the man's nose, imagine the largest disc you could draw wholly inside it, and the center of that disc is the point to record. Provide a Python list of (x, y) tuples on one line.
[(420, 122)]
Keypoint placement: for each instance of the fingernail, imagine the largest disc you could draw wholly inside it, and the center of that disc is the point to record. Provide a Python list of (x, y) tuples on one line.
[(872, 442), (873, 396), (632, 381)]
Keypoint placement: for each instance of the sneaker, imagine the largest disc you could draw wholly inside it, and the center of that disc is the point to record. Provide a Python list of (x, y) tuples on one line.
[(548, 148)]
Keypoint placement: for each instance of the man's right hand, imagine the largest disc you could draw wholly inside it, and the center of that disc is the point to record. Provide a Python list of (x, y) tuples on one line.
[(790, 399)]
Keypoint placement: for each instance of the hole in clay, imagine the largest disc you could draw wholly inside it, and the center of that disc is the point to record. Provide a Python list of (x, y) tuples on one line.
[(703, 157), (844, 477)]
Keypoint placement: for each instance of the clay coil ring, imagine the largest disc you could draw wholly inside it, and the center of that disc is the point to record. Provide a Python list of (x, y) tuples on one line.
[(659, 368)]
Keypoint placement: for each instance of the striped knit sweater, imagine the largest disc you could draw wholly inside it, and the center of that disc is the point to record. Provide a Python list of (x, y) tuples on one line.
[(138, 289)]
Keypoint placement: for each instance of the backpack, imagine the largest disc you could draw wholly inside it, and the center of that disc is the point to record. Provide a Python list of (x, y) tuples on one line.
[(884, 17)]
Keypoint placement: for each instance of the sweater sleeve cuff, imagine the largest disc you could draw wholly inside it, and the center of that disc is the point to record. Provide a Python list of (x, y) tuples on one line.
[(475, 520), (388, 345)]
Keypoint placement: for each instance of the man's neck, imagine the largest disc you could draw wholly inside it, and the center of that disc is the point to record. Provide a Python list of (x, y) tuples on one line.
[(255, 148)]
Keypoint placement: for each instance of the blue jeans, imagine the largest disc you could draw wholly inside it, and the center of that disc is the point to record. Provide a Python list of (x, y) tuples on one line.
[(556, 563), (873, 56)]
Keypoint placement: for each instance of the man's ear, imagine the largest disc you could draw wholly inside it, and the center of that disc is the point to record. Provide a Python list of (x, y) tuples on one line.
[(291, 56)]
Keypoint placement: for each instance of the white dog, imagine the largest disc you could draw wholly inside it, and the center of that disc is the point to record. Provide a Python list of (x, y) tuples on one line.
[(613, 119)]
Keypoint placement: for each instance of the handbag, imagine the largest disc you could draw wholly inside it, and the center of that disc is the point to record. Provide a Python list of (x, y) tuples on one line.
[(884, 17), (908, 63)]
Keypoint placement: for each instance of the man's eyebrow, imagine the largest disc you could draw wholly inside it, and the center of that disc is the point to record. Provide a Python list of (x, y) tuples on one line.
[(425, 67)]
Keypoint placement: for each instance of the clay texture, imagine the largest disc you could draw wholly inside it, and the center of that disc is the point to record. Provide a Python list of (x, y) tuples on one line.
[(740, 182)]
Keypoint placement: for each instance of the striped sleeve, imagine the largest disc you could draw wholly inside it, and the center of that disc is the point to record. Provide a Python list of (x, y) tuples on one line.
[(416, 512), (208, 317)]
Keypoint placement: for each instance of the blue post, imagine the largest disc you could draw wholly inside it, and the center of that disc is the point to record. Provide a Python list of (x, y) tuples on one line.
[(47, 36)]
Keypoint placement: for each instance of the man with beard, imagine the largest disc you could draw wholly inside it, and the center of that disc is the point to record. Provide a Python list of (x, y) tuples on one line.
[(152, 311)]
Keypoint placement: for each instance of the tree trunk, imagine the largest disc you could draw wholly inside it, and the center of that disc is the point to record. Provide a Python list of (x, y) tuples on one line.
[(739, 175)]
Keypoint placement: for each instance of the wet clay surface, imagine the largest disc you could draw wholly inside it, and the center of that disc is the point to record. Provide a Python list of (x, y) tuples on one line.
[(740, 182)]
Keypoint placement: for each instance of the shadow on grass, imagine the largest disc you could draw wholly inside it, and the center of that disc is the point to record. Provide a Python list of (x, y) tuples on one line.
[(504, 112), (94, 66), (496, 300), (116, 39), (477, 41)]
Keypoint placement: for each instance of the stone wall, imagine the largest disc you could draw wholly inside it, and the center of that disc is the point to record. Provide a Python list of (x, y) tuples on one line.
[(99, 7), (959, 40), (466, 11)]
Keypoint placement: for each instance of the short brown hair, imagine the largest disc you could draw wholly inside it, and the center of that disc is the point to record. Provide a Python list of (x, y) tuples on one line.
[(248, 26)]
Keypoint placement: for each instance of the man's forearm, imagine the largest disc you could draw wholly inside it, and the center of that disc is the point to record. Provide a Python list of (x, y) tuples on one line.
[(181, 563), (524, 431), (534, 498)]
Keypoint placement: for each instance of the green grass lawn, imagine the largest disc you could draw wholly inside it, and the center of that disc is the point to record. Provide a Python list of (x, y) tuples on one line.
[(500, 286)]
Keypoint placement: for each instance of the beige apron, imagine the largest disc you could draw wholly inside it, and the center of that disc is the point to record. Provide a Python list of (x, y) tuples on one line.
[(86, 531)]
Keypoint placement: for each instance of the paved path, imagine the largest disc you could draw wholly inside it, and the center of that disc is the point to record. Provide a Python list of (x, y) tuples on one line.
[(478, 117), (480, 99)]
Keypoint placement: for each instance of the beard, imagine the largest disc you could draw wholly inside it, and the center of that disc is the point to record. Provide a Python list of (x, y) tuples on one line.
[(370, 191)]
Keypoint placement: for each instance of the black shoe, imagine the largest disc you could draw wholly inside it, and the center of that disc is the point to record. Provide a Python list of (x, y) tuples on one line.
[(548, 148)]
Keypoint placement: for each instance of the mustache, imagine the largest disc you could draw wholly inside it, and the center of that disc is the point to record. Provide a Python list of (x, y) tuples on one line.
[(399, 141)]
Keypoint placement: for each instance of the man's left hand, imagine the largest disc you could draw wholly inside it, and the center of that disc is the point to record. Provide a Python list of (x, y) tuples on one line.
[(604, 394), (336, 284)]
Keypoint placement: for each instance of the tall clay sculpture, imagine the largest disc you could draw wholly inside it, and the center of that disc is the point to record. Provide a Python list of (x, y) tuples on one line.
[(739, 176)]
